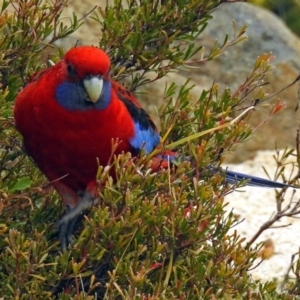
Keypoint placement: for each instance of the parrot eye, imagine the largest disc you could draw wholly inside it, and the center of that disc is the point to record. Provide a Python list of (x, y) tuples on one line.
[(71, 70)]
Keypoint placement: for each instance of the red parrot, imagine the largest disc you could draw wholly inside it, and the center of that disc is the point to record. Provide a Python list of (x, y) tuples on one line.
[(68, 115)]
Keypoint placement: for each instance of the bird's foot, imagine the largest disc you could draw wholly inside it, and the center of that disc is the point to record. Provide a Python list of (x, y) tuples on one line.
[(67, 222)]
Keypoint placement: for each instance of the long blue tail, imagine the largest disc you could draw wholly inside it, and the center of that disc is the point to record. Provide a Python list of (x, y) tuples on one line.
[(234, 177)]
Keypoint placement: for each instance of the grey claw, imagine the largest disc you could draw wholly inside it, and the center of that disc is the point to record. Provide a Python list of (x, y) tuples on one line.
[(67, 222)]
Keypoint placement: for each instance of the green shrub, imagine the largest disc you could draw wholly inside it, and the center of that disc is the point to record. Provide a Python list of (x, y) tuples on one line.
[(153, 236), (287, 10)]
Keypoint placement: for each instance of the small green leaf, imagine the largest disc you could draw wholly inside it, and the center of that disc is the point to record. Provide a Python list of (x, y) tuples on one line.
[(22, 184)]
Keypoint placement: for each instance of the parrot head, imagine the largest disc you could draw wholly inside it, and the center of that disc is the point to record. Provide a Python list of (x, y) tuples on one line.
[(86, 83)]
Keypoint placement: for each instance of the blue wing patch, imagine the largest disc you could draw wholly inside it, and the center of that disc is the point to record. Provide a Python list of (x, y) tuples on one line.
[(145, 138)]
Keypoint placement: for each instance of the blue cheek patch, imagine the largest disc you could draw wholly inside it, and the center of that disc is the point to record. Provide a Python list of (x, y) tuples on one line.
[(73, 96), (146, 139)]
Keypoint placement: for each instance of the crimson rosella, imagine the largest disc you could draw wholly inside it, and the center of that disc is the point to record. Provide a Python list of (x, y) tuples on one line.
[(68, 115)]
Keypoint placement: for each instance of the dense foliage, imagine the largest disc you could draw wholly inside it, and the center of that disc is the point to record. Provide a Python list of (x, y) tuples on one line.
[(153, 236)]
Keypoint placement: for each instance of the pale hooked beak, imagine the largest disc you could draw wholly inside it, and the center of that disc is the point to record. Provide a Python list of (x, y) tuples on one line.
[(93, 86)]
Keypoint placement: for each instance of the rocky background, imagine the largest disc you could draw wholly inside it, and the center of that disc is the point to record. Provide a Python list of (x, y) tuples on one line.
[(266, 33), (256, 206)]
